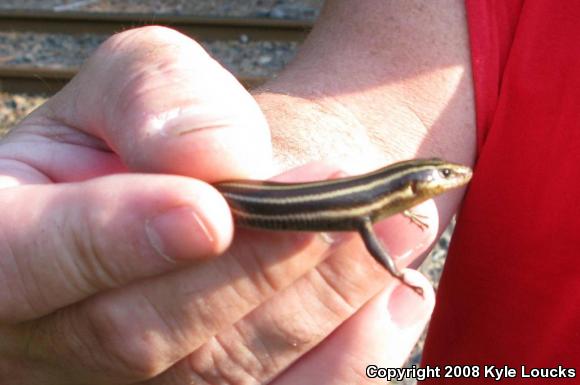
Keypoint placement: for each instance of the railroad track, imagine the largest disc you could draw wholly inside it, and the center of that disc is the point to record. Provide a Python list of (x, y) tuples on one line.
[(20, 79), (198, 27), (46, 80)]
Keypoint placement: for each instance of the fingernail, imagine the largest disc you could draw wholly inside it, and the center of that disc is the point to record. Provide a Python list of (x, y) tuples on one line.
[(407, 307), (335, 238), (179, 234)]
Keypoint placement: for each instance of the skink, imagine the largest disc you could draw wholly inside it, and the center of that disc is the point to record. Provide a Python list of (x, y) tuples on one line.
[(344, 204)]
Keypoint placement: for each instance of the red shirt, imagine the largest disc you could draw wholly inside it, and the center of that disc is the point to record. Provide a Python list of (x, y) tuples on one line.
[(510, 291)]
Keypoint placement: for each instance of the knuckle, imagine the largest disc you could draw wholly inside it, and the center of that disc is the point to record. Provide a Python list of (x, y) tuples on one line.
[(131, 351), (18, 301), (108, 240), (89, 270), (294, 332), (218, 362), (234, 359)]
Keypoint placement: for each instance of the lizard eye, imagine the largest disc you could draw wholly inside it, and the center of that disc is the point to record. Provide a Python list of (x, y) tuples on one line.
[(445, 172)]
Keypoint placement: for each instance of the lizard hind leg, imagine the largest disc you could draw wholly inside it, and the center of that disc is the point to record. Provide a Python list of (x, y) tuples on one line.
[(380, 254)]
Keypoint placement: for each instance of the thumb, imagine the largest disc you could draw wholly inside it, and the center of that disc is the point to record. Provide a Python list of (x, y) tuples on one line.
[(374, 342)]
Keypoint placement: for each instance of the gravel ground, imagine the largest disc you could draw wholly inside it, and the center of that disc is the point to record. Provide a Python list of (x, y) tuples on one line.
[(279, 9), (15, 107), (242, 57)]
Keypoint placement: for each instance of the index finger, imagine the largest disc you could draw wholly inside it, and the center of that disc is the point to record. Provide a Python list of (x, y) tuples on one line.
[(164, 105)]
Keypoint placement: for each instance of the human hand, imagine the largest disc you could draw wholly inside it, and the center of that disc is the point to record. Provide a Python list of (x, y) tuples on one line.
[(106, 272)]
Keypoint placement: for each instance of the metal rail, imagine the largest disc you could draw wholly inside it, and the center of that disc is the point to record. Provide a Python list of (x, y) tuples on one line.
[(203, 28), (48, 81)]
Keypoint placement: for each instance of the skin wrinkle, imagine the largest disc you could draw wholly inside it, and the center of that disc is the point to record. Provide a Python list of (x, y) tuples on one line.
[(287, 334), (292, 332), (94, 269), (22, 172), (22, 269), (74, 334), (352, 283), (66, 111), (239, 360), (397, 149), (410, 128), (74, 343), (58, 338), (224, 373), (282, 333), (86, 248), (208, 313), (308, 335), (48, 151), (165, 321), (268, 284), (258, 285), (128, 101), (289, 149), (139, 79), (289, 337), (112, 361), (339, 299), (15, 158), (125, 355), (33, 293), (8, 252), (27, 333), (79, 280), (181, 340), (354, 134), (151, 124), (58, 133), (205, 128), (332, 105), (346, 129), (118, 99), (202, 317), (113, 275), (136, 89), (33, 332), (253, 347), (267, 268)]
